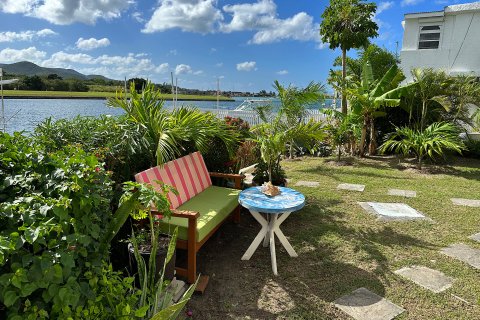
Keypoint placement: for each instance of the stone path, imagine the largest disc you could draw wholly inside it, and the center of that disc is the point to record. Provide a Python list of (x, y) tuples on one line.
[(430, 279), (351, 187), (363, 304), (311, 184), (466, 202), (475, 237), (464, 253), (392, 211), (402, 193)]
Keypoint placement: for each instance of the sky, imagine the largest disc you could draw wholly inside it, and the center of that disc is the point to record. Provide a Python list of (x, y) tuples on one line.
[(245, 44)]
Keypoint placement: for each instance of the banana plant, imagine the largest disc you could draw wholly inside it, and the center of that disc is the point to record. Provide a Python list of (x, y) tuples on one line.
[(369, 97)]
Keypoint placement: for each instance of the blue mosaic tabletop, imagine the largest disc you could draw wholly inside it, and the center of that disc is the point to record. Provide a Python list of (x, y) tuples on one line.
[(288, 200)]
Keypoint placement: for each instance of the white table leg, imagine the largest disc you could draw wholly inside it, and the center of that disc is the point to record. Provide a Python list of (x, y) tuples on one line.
[(271, 230), (260, 236), (266, 240), (281, 236)]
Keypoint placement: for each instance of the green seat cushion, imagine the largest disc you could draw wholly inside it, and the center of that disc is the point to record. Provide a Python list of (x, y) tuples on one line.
[(214, 204)]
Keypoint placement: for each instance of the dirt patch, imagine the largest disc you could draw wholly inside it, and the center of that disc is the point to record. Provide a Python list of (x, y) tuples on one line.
[(341, 163)]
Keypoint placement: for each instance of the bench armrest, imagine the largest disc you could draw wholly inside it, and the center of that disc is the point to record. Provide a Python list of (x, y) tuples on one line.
[(238, 178)]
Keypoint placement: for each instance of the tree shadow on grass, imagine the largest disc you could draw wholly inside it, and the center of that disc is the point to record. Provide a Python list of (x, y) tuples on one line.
[(307, 285), (338, 175)]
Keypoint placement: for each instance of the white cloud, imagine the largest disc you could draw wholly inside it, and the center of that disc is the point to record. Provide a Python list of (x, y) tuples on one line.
[(163, 68), (173, 52), (29, 54), (382, 6), (138, 17), (262, 17), (187, 15), (219, 65), (29, 35), (92, 43), (182, 69), (65, 12), (63, 59), (247, 66), (282, 72), (410, 2)]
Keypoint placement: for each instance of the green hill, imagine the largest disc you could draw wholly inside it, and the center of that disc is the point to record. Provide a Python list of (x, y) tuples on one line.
[(26, 68)]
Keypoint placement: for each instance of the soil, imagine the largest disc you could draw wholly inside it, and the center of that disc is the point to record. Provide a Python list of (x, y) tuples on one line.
[(247, 289)]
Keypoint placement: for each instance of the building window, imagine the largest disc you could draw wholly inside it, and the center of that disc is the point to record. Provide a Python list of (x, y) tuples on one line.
[(429, 37)]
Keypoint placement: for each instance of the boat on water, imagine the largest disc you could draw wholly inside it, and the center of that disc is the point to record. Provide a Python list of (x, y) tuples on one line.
[(253, 104)]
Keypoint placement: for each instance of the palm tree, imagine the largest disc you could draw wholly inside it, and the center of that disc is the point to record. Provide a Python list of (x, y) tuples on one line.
[(436, 139), (168, 132), (294, 103), (370, 96), (348, 24), (463, 92), (428, 84)]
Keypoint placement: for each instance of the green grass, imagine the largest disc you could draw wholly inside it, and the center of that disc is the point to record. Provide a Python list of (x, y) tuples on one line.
[(100, 95), (352, 249), (341, 247)]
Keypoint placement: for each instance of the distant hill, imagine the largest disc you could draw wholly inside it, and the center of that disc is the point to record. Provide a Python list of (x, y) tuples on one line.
[(26, 68)]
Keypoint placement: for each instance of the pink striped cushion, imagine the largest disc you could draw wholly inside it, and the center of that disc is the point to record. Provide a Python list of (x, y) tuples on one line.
[(188, 175)]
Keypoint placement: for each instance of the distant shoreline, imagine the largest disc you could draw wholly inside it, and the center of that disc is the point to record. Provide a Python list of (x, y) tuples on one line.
[(24, 94)]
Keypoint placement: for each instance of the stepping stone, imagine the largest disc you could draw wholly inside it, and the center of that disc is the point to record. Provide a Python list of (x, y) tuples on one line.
[(392, 211), (311, 184), (430, 279), (466, 202), (402, 193), (351, 187), (363, 304), (475, 237), (464, 253)]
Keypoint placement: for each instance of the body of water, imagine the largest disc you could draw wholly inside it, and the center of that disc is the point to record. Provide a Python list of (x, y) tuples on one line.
[(25, 114)]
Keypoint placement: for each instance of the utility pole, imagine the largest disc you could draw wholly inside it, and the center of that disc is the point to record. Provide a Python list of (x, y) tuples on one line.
[(4, 124), (173, 91), (218, 91)]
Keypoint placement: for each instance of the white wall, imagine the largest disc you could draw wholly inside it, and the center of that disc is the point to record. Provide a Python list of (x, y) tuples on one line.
[(451, 56)]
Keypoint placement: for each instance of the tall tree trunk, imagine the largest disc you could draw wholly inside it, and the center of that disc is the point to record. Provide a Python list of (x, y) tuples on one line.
[(363, 139), (339, 152), (291, 149), (424, 111), (344, 75), (373, 139)]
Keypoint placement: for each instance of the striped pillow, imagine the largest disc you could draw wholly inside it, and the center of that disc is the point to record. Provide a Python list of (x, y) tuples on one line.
[(188, 175)]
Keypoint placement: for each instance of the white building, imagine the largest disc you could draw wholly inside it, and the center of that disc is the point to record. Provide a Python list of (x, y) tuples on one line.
[(448, 40)]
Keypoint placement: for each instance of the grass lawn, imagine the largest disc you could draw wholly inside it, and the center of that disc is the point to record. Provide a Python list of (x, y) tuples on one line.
[(98, 95), (342, 248)]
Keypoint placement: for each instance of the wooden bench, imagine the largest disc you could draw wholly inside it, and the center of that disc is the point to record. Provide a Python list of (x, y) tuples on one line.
[(199, 209)]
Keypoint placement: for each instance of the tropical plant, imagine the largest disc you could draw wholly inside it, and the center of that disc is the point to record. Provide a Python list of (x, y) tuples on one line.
[(54, 206), (434, 140), (169, 132), (463, 92), (348, 24), (343, 129), (370, 96), (294, 103), (155, 300), (114, 140), (428, 84)]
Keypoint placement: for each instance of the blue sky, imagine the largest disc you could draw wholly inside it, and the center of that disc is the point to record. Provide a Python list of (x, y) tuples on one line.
[(246, 43)]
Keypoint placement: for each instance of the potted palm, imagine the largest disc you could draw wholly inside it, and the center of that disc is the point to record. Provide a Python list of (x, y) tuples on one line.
[(147, 241), (286, 126)]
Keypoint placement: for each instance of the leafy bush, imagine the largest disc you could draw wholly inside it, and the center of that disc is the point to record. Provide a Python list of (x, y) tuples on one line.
[(435, 140), (114, 140), (53, 211), (472, 148)]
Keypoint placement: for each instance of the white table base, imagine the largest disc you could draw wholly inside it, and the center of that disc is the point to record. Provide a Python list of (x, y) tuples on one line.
[(267, 234)]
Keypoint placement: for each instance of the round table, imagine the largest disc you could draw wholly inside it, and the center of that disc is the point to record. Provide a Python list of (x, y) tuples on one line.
[(277, 209)]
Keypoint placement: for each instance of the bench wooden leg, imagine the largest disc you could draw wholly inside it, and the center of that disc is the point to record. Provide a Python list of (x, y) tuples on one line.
[(192, 251)]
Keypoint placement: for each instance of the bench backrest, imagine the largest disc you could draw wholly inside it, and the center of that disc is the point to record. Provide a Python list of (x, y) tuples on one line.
[(189, 175)]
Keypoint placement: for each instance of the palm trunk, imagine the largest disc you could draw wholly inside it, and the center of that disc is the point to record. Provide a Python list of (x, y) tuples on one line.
[(419, 163), (424, 111), (363, 139), (344, 75), (339, 152), (291, 150), (373, 139)]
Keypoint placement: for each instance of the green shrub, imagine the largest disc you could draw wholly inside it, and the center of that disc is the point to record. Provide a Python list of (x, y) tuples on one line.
[(114, 140), (472, 148), (53, 211)]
